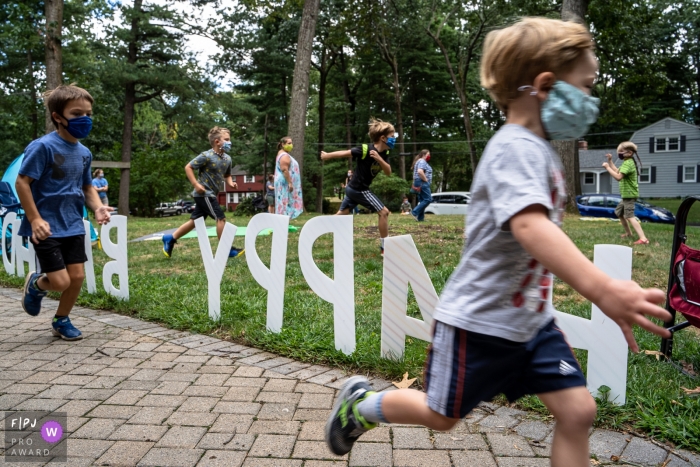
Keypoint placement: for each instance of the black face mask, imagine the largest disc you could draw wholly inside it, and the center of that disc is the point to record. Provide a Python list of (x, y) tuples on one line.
[(620, 155)]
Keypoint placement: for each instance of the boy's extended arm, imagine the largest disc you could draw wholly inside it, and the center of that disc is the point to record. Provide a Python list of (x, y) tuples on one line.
[(625, 302), (40, 228), (613, 171), (189, 171), (93, 202), (335, 155), (230, 182)]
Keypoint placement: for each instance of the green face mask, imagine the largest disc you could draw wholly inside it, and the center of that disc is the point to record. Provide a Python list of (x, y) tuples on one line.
[(288, 147)]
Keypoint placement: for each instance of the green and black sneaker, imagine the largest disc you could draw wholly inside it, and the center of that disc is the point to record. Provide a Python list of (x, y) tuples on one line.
[(346, 424)]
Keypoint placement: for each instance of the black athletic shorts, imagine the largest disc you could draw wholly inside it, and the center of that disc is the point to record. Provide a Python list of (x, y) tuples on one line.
[(55, 254), (465, 368), (364, 198), (207, 206)]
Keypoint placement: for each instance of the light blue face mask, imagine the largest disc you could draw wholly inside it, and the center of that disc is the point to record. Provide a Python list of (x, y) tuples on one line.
[(227, 146), (568, 112)]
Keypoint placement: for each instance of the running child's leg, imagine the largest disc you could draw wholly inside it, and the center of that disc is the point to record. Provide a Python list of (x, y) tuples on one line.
[(76, 275), (574, 411), (184, 229), (383, 222), (220, 224), (406, 407)]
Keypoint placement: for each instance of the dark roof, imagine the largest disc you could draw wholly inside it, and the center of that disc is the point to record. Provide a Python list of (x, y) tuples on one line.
[(594, 158), (238, 170)]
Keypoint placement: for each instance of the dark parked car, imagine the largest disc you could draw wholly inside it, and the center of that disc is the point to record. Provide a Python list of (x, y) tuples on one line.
[(187, 205), (603, 205)]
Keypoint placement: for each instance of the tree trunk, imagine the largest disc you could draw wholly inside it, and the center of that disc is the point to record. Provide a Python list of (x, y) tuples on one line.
[(350, 106), (300, 83), (265, 156), (53, 10), (129, 104), (399, 119), (34, 116), (321, 129), (414, 129), (466, 118), (574, 10), (568, 152), (571, 10)]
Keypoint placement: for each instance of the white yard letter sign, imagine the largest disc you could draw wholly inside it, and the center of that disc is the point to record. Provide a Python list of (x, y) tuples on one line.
[(271, 279), (23, 254), (403, 266), (89, 264), (12, 223), (607, 348), (116, 251), (214, 266), (340, 291)]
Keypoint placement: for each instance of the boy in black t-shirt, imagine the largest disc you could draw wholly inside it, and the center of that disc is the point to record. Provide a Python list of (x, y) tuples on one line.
[(370, 159)]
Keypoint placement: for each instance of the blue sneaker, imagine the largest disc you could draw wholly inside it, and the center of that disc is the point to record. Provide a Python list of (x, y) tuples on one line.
[(31, 301), (168, 245), (63, 328), (235, 252)]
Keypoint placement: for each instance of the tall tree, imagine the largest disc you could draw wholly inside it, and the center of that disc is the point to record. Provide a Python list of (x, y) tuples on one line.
[(54, 57), (571, 10), (300, 82)]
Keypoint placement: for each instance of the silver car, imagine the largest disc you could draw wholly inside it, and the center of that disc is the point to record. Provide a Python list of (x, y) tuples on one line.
[(450, 202)]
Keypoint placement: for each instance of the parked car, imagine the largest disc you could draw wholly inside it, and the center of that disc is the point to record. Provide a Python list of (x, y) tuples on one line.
[(187, 205), (168, 209), (603, 205), (450, 202)]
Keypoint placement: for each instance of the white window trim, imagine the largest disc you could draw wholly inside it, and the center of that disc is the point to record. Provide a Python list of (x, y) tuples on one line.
[(249, 179), (593, 174), (656, 149), (640, 174), (695, 173)]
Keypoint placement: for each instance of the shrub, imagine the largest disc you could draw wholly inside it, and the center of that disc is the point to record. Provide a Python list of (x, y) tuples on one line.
[(390, 190), (245, 208)]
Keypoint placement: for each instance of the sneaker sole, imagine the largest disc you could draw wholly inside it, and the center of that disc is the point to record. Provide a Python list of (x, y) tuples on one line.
[(166, 253), (58, 334), (339, 402), (26, 287)]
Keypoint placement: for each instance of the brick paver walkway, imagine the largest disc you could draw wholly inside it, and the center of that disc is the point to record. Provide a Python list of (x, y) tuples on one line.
[(140, 394)]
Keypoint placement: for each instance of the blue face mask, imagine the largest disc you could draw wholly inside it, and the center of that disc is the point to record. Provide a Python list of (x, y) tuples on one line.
[(79, 127), (391, 141), (227, 146), (568, 112)]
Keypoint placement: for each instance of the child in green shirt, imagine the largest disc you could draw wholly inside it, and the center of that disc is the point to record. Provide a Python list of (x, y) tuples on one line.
[(627, 175)]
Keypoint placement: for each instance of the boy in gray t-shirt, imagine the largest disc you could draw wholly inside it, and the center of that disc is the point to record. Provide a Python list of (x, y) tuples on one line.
[(494, 330)]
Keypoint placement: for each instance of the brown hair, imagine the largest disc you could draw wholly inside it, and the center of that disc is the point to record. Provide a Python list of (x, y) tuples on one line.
[(271, 178), (378, 128), (96, 171), (283, 141), (57, 99), (420, 155), (630, 146), (216, 132), (515, 55)]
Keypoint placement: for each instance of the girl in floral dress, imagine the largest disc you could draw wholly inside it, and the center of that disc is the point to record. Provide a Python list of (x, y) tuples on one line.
[(288, 198)]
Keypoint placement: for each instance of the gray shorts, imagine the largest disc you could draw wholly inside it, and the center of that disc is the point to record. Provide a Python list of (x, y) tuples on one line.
[(626, 208), (105, 201)]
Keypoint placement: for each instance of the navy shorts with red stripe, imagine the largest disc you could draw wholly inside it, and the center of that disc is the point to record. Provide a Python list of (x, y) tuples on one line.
[(465, 368)]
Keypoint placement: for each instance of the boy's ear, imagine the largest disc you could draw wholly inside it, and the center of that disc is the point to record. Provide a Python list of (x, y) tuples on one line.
[(544, 83)]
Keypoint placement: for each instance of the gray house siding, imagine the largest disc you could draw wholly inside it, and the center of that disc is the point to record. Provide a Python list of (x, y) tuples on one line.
[(591, 168), (664, 164)]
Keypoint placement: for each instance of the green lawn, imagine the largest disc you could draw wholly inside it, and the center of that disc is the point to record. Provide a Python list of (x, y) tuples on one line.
[(672, 205), (173, 292)]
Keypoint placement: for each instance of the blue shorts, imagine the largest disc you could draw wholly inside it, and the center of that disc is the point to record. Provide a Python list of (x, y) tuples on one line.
[(465, 368)]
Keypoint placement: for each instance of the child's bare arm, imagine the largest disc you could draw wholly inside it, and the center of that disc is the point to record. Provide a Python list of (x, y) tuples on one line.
[(40, 228), (335, 155), (625, 302), (92, 200), (189, 171)]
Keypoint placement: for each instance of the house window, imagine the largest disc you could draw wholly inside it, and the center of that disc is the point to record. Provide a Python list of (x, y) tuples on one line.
[(588, 178), (645, 175), (249, 179), (232, 198), (689, 173), (667, 143)]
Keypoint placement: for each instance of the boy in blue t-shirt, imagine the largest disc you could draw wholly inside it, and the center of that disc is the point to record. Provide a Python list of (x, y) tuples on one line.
[(54, 185)]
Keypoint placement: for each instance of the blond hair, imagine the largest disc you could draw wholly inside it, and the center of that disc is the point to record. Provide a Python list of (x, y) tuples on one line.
[(630, 146), (216, 132), (515, 55), (378, 128), (57, 99)]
